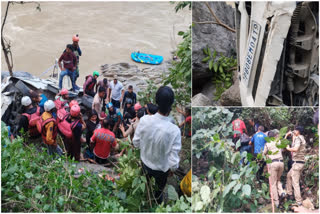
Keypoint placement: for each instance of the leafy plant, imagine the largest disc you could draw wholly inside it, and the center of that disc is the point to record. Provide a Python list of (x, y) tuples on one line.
[(148, 95), (181, 4), (222, 67)]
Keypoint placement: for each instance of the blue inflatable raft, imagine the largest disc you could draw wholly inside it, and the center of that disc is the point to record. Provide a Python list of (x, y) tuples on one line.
[(146, 58)]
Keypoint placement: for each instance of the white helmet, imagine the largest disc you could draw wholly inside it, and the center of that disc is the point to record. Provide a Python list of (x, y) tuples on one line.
[(26, 101), (49, 105)]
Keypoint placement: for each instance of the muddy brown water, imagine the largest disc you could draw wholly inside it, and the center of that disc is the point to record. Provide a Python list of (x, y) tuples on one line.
[(109, 32)]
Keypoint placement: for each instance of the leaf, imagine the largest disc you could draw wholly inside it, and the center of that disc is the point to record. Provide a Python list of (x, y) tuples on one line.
[(205, 51), (228, 188), (198, 206), (214, 54), (143, 187), (206, 59), (283, 131), (236, 188), (205, 193), (215, 67), (221, 69), (235, 176), (172, 194), (246, 190), (180, 33), (210, 64), (238, 144), (28, 175)]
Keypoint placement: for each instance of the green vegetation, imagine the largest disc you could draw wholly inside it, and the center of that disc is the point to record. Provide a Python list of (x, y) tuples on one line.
[(222, 67), (33, 182), (219, 183)]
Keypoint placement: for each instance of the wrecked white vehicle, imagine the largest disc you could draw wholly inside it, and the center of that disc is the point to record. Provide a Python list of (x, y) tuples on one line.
[(14, 88), (278, 53)]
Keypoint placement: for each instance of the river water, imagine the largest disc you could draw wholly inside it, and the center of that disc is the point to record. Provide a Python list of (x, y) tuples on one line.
[(108, 31)]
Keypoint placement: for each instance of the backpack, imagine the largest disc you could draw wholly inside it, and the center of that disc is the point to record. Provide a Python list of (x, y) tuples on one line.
[(40, 126), (61, 113), (244, 139), (33, 118), (66, 128)]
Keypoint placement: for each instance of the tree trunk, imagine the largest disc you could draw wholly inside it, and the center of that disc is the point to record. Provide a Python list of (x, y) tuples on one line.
[(5, 49)]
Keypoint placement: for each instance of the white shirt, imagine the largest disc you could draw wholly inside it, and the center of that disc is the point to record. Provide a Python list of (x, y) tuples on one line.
[(159, 141), (116, 90)]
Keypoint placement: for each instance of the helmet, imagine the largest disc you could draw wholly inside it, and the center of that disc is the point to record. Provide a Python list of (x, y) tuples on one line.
[(73, 102), (129, 101), (75, 38), (64, 91), (109, 105), (95, 73), (26, 101), (75, 110), (49, 105), (137, 106)]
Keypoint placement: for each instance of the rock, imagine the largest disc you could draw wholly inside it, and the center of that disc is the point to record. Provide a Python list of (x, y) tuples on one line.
[(231, 97), (130, 74), (308, 204), (201, 100), (214, 36)]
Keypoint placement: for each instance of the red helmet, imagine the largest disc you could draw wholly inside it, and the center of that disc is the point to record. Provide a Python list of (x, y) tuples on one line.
[(64, 91), (73, 102), (75, 110), (75, 38), (137, 106)]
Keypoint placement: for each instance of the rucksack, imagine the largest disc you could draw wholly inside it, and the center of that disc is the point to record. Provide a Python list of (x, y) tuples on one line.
[(33, 118), (66, 128), (61, 113), (60, 104), (91, 84), (40, 126), (244, 139)]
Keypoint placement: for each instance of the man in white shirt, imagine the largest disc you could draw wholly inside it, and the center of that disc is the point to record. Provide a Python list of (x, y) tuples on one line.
[(117, 91), (159, 141)]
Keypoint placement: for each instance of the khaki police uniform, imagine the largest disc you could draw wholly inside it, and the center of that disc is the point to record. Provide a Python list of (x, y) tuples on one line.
[(293, 176), (276, 169)]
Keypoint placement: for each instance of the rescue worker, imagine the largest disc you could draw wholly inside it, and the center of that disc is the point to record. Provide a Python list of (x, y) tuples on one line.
[(298, 151), (115, 115), (276, 167), (98, 102), (105, 84), (49, 129), (258, 141), (28, 111), (89, 84), (77, 52), (129, 112), (240, 126), (159, 142), (73, 144), (69, 66), (129, 95), (61, 100), (92, 124), (116, 92), (133, 126), (103, 140)]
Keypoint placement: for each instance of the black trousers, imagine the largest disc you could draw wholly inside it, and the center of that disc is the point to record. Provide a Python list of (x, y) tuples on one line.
[(115, 103), (161, 181), (91, 93), (100, 160)]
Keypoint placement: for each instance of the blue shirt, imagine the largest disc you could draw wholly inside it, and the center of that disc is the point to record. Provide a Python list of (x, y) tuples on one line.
[(258, 141)]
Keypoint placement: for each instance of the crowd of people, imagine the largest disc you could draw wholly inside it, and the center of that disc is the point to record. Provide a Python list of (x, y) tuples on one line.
[(115, 113), (255, 143)]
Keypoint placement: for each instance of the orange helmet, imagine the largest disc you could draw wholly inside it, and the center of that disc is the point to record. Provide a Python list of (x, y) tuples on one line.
[(75, 110), (64, 91), (75, 38), (73, 102)]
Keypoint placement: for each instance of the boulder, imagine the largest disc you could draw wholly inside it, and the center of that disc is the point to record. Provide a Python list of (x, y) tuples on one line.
[(214, 36), (231, 97), (201, 100)]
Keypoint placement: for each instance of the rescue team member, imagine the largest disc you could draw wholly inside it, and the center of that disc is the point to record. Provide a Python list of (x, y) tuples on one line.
[(159, 141), (98, 102), (73, 144), (49, 129), (69, 66), (91, 81), (77, 52), (103, 140), (258, 143), (276, 167), (238, 125), (129, 95), (116, 92), (129, 113), (61, 100), (115, 115), (132, 127), (92, 124), (105, 84), (298, 151), (29, 110)]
